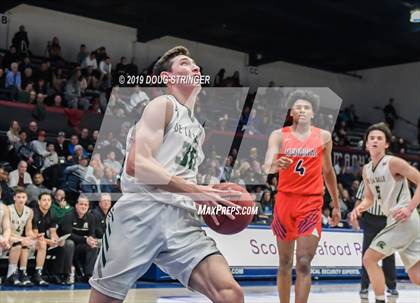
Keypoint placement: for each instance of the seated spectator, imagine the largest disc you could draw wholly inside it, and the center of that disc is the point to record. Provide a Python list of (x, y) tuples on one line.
[(13, 80), (112, 163), (54, 51), (26, 63), (100, 213), (326, 215), (9, 57), (24, 96), (90, 61), (219, 78), (84, 139), (61, 146), (6, 193), (13, 134), (81, 225), (22, 148), (74, 140), (73, 92), (27, 76), (40, 111), (109, 181), (121, 68), (74, 175), (57, 101), (267, 202), (36, 188), (92, 183), (21, 41), (82, 54), (44, 72), (58, 80), (20, 176), (45, 229), (39, 147), (32, 131), (136, 99), (51, 159)]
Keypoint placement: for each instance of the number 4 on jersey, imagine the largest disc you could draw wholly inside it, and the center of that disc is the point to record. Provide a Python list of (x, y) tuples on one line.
[(299, 169)]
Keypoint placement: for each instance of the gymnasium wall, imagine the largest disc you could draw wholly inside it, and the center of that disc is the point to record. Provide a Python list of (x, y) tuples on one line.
[(43, 24)]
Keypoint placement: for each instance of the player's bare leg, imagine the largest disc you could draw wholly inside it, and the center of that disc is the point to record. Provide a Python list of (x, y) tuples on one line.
[(305, 252), (97, 297), (213, 279), (23, 259), (284, 274), (414, 273), (375, 272), (41, 253)]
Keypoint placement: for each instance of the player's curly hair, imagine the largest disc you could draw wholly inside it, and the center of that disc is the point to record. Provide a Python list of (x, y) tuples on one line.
[(165, 62), (303, 94)]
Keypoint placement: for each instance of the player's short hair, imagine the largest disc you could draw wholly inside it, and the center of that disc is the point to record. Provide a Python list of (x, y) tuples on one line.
[(44, 194), (381, 126), (165, 62), (303, 94), (19, 190)]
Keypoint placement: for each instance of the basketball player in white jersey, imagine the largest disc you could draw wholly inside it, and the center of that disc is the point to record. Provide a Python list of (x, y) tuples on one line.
[(386, 177), (22, 239), (155, 221), (4, 228)]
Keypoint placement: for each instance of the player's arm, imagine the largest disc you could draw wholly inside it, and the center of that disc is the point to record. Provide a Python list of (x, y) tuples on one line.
[(28, 227), (7, 231), (271, 163), (364, 205), (142, 163), (401, 168), (330, 177)]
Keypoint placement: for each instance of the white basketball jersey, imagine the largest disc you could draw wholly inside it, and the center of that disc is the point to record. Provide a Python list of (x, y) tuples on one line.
[(19, 221), (386, 190), (180, 153)]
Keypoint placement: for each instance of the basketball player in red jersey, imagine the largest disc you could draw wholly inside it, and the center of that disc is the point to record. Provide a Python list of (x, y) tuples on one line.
[(301, 154)]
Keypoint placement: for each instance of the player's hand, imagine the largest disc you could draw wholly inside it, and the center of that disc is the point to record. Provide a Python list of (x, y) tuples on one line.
[(401, 214), (27, 241), (4, 244), (282, 162), (335, 217), (354, 218)]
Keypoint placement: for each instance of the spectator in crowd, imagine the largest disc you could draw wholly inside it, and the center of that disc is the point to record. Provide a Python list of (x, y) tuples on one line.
[(22, 148), (136, 99), (52, 157), (44, 72), (6, 193), (390, 114), (73, 92), (36, 188), (13, 80), (54, 51), (82, 54), (109, 181), (32, 131), (121, 68), (100, 213), (60, 206), (112, 163), (90, 61), (219, 78), (4, 93), (13, 134), (39, 146), (74, 140), (28, 76), (132, 68), (40, 111), (57, 101), (9, 57), (58, 80), (21, 41), (26, 63), (24, 96), (20, 176), (81, 225), (45, 229), (84, 139), (61, 146), (267, 202)]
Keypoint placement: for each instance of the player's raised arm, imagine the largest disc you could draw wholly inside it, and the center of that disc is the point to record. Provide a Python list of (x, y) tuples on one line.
[(400, 168), (330, 177)]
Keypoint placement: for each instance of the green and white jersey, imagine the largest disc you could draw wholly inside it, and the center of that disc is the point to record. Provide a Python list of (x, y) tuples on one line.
[(18, 221), (389, 192), (1, 217), (180, 153)]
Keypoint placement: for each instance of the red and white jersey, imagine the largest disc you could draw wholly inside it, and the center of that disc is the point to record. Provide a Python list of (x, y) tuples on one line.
[(304, 176)]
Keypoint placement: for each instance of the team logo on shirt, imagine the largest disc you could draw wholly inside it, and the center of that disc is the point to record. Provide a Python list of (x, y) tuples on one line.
[(381, 244)]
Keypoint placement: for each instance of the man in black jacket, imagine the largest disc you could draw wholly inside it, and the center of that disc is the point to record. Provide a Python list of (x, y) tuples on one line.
[(81, 225), (100, 213)]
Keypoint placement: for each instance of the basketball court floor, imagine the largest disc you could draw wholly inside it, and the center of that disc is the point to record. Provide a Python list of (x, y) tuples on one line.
[(322, 292)]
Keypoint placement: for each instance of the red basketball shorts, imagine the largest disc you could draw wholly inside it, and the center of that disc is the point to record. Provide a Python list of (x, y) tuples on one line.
[(297, 216)]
